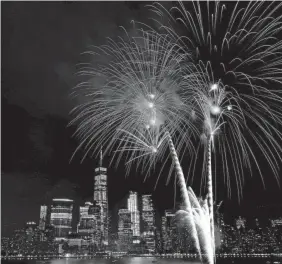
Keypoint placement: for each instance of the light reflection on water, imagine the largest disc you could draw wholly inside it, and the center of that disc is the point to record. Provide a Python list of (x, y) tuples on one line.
[(135, 260)]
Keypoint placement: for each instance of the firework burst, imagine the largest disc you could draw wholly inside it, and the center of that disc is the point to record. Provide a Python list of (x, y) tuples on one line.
[(137, 103), (237, 51)]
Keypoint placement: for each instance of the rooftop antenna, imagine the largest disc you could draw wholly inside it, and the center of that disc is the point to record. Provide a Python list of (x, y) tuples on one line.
[(101, 156)]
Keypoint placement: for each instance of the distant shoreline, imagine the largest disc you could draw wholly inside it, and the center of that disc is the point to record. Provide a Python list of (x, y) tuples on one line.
[(169, 256)]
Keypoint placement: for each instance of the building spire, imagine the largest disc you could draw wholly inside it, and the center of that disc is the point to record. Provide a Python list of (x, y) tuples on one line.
[(101, 157)]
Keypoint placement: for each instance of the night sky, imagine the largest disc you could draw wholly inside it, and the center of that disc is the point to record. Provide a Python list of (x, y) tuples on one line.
[(41, 44)]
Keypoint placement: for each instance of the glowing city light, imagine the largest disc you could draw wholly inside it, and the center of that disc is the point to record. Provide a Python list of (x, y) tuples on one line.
[(62, 200), (152, 96), (229, 107)]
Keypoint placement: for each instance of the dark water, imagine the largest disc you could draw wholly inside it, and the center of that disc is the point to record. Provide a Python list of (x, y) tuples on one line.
[(136, 260)]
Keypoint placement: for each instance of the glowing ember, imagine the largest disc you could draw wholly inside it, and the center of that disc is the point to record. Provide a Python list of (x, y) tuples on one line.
[(150, 104), (153, 122), (154, 149), (214, 87), (215, 109)]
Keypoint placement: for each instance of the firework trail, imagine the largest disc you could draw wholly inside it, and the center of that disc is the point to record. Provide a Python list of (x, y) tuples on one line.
[(202, 219), (212, 106), (237, 49), (184, 192), (210, 193), (137, 108)]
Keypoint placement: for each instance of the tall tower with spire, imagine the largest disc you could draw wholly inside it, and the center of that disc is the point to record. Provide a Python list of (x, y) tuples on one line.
[(101, 197)]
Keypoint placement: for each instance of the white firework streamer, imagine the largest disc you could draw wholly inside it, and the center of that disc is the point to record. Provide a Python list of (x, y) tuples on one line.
[(201, 218)]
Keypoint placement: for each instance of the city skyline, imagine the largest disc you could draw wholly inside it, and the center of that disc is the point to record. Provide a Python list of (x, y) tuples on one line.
[(37, 144), (161, 208), (53, 215), (241, 236), (138, 230)]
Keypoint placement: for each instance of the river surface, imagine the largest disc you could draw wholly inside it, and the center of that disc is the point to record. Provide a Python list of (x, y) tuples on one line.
[(135, 260)]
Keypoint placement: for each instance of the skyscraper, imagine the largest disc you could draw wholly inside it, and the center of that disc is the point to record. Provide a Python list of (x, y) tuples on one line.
[(97, 238), (61, 217), (168, 230), (125, 232), (43, 217), (148, 219), (241, 227), (164, 234), (84, 210), (132, 204), (87, 221), (101, 197), (30, 231)]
